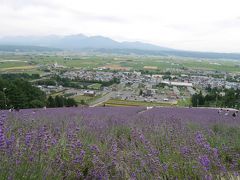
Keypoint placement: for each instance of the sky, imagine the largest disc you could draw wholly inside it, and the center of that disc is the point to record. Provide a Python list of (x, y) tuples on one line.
[(201, 25)]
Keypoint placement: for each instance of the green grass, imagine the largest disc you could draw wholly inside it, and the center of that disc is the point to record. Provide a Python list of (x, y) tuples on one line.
[(60, 93), (7, 64), (116, 102), (224, 136), (86, 99), (82, 97), (184, 102), (95, 86)]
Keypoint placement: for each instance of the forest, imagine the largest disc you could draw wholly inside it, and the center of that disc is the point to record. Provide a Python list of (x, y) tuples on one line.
[(217, 97), (18, 93)]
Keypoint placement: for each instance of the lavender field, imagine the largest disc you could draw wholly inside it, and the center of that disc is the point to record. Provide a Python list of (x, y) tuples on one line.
[(119, 143)]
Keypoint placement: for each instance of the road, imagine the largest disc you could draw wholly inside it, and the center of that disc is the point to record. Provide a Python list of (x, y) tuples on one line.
[(103, 99)]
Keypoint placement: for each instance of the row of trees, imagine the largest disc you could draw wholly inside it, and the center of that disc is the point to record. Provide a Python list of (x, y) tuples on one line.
[(77, 83), (60, 101), (25, 76), (217, 97), (19, 93), (69, 83)]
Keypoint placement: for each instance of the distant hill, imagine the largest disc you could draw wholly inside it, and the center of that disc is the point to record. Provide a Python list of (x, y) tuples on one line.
[(77, 42), (172, 53), (19, 48), (101, 44)]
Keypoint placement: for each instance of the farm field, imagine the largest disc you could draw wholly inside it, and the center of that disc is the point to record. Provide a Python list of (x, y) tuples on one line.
[(16, 68), (119, 143), (114, 62)]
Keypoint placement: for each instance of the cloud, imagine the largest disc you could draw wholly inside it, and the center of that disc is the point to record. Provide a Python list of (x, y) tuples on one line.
[(182, 27), (59, 8), (22, 4), (185, 24), (93, 17)]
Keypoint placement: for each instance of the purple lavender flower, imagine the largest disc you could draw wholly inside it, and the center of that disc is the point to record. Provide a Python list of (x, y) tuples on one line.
[(205, 162), (79, 144), (148, 145), (208, 177), (236, 174), (53, 141), (184, 150), (2, 135), (28, 139), (199, 138), (215, 152), (94, 149), (2, 139), (207, 146), (133, 176), (165, 167)]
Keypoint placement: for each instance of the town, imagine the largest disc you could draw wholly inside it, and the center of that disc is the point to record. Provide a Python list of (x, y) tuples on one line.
[(103, 86)]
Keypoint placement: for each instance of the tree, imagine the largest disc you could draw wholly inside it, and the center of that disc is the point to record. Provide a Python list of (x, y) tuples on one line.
[(167, 77), (16, 97), (70, 102), (82, 102), (198, 100), (19, 93), (194, 100), (201, 99), (51, 102), (37, 104), (2, 100), (230, 98), (59, 100)]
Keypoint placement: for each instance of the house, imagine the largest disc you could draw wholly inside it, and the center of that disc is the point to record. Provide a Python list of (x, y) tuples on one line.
[(184, 84), (89, 93)]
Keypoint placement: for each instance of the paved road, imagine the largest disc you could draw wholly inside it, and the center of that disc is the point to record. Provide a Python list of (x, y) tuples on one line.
[(103, 99)]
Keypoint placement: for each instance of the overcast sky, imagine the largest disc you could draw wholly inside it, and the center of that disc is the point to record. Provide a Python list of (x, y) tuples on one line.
[(205, 25)]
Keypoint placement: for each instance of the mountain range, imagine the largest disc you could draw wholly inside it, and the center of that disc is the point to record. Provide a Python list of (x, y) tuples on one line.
[(77, 42), (101, 44)]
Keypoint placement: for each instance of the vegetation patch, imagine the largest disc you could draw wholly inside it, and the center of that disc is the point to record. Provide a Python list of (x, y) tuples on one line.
[(116, 102)]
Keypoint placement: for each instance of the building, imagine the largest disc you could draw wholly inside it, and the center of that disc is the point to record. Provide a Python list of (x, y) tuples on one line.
[(89, 93), (185, 84)]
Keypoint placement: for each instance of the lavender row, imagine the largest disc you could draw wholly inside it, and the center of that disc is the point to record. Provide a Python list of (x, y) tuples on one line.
[(119, 143)]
